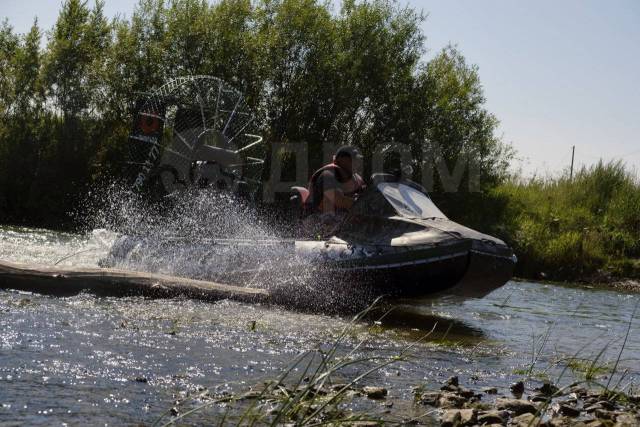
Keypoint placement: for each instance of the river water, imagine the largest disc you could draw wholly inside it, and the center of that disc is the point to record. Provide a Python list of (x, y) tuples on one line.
[(113, 361)]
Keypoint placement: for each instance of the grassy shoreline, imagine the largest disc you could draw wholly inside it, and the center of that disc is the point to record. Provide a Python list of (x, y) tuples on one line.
[(584, 228)]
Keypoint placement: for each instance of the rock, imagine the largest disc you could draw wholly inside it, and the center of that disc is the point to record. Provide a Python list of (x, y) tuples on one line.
[(450, 400), (463, 417), (451, 384), (453, 381), (479, 407), (465, 392), (375, 392), (568, 411), (590, 423), (518, 406), (540, 398), (490, 390), (589, 401), (593, 408), (451, 418), (517, 388), (605, 415), (606, 405), (591, 394), (627, 420), (449, 387), (492, 417), (430, 398), (547, 389), (525, 420), (559, 422), (468, 416)]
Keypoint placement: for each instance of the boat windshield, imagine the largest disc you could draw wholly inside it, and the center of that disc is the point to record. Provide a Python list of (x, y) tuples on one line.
[(408, 201)]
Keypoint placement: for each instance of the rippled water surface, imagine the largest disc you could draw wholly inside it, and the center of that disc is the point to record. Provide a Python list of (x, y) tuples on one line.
[(88, 360)]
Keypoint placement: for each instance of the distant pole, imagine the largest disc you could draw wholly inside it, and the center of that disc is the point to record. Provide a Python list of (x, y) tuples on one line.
[(573, 156)]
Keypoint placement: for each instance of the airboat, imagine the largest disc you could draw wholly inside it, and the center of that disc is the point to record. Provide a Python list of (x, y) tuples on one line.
[(198, 133)]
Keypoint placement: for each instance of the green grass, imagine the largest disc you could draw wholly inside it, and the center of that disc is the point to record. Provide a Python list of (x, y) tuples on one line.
[(576, 228), (527, 373), (589, 369)]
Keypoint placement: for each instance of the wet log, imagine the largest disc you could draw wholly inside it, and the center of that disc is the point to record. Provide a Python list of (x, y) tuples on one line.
[(113, 282)]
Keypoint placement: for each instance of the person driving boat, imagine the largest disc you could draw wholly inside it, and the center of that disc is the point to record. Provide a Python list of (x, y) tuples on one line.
[(333, 187), (332, 191)]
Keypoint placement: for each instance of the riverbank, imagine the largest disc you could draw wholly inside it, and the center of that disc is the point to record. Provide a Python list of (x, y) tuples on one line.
[(312, 396), (584, 228), (627, 285), (320, 394), (546, 405), (617, 284), (316, 400)]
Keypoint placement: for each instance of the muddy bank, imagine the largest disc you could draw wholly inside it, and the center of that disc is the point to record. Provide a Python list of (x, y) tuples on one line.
[(613, 284)]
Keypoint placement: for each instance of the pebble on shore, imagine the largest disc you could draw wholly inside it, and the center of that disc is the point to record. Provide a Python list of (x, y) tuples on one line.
[(547, 406)]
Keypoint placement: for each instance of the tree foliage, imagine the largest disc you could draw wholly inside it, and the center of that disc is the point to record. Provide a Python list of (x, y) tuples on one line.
[(312, 72)]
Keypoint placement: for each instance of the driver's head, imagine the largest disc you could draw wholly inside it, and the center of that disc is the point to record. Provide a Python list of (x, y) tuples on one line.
[(346, 157)]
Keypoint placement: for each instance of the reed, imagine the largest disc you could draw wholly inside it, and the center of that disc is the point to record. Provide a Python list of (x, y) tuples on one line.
[(573, 229)]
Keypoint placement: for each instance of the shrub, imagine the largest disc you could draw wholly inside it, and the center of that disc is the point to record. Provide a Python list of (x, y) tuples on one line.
[(569, 228)]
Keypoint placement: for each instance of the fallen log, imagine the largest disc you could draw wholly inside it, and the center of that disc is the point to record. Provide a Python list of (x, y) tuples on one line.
[(113, 282)]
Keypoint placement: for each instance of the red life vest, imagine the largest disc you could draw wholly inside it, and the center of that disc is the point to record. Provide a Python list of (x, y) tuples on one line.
[(358, 181)]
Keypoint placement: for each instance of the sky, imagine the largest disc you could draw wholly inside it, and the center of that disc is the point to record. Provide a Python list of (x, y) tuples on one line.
[(555, 73)]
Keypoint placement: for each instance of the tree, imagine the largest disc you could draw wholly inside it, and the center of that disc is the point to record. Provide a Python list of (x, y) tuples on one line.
[(8, 46), (28, 88), (353, 75), (459, 131)]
